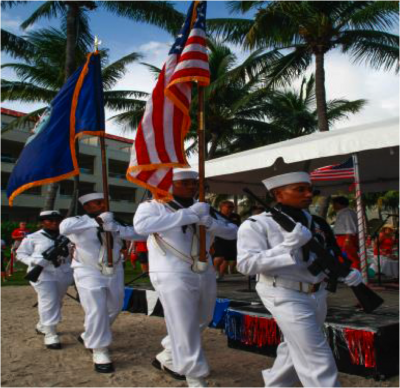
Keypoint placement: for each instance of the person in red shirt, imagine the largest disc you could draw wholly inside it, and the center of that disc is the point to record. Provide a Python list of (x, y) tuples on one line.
[(17, 235), (386, 242), (139, 252)]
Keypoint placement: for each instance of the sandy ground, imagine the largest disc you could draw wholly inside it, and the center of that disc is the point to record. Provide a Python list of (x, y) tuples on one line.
[(25, 362)]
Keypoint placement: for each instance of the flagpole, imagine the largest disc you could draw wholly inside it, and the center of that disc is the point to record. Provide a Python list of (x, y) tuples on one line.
[(361, 222), (202, 148), (105, 180)]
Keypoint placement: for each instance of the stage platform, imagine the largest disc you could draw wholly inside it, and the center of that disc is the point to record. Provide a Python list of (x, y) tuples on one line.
[(363, 344)]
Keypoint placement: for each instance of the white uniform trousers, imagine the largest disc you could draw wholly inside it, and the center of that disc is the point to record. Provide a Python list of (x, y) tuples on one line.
[(188, 301), (304, 355), (102, 298), (50, 295)]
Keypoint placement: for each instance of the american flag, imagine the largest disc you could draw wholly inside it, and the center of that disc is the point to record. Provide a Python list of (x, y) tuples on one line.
[(159, 143), (334, 172)]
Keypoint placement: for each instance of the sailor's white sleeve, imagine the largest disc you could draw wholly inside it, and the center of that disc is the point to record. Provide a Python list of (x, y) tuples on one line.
[(254, 254), (26, 254), (150, 218), (74, 225), (224, 229), (129, 233)]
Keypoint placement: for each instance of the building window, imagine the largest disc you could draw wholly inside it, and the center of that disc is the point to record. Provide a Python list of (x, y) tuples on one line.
[(66, 189), (86, 164), (118, 193), (117, 169), (10, 151), (5, 176)]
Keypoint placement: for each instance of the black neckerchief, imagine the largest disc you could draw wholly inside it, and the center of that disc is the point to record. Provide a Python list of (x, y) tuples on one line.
[(182, 203), (298, 216), (51, 234)]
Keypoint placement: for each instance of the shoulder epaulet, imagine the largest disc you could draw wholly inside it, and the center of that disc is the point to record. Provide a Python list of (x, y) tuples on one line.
[(251, 219)]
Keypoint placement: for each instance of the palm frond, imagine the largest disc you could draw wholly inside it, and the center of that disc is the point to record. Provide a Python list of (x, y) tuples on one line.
[(16, 46), (339, 109), (47, 10), (113, 72), (153, 69), (22, 91), (158, 13)]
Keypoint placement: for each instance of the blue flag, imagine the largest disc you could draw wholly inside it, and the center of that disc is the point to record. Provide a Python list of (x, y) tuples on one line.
[(49, 154)]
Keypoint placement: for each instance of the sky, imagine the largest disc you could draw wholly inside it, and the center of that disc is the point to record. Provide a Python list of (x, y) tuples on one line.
[(122, 36)]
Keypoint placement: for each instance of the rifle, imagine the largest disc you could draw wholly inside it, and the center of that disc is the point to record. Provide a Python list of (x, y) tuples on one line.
[(325, 261), (60, 248)]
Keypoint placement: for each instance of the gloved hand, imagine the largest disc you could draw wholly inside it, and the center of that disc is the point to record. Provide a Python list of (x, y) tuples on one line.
[(299, 236), (354, 278), (200, 209), (206, 221), (106, 217)]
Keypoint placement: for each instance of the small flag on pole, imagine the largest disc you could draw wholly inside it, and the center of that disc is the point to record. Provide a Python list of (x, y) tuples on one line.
[(49, 153), (334, 172), (159, 143)]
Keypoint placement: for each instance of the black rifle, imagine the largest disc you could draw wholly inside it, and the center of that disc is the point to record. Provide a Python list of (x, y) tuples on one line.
[(325, 262), (60, 248)]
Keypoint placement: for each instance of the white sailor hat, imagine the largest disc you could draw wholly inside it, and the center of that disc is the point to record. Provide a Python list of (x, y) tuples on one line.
[(90, 197), (286, 179), (46, 214), (181, 174)]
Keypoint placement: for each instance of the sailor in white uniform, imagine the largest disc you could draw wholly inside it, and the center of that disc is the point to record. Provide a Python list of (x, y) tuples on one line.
[(100, 288), (295, 298), (187, 295), (53, 282)]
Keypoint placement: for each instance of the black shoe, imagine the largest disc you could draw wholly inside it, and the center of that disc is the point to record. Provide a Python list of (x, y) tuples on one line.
[(157, 364), (54, 346), (104, 368)]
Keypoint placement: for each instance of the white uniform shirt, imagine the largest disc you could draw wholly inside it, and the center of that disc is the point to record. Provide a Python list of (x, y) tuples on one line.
[(346, 222), (259, 252), (156, 217), (30, 253), (83, 232)]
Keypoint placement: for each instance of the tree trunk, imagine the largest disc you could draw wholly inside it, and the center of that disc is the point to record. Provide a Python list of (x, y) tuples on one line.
[(213, 148), (70, 65), (73, 9), (320, 92)]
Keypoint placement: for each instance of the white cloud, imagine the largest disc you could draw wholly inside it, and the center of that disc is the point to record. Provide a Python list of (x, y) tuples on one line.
[(349, 81)]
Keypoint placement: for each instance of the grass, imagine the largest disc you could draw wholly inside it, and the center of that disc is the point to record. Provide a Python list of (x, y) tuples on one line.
[(17, 278)]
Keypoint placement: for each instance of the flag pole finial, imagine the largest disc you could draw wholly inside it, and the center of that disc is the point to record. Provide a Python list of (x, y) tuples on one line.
[(97, 43)]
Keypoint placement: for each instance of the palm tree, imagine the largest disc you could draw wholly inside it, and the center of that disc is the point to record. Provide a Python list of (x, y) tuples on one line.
[(232, 102), (294, 112), (307, 30), (41, 75), (289, 113), (74, 16), (40, 72)]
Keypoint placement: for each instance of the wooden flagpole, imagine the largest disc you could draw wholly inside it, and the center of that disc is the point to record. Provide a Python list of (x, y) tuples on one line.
[(105, 182), (106, 200), (202, 148)]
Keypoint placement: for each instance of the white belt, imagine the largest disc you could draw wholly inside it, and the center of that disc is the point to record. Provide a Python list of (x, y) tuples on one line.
[(275, 281)]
